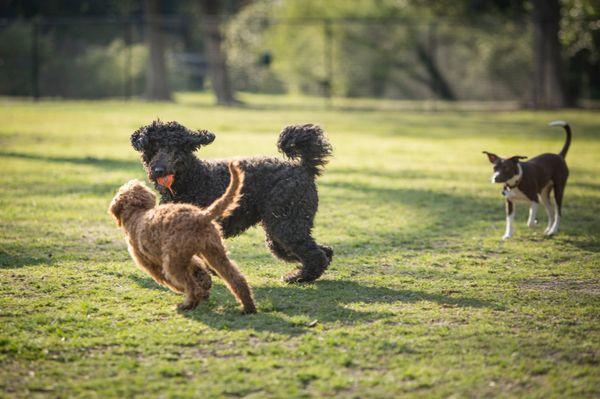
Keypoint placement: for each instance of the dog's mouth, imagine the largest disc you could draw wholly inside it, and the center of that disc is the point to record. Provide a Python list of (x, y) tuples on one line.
[(497, 178), (166, 182)]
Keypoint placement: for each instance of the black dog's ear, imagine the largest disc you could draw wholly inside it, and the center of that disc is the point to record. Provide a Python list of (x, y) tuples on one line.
[(139, 139), (492, 157), (517, 158), (200, 138)]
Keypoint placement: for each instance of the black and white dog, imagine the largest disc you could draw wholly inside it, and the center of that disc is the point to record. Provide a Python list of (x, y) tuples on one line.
[(533, 181)]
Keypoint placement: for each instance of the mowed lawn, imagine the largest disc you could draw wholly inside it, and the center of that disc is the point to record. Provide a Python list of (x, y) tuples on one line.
[(422, 299)]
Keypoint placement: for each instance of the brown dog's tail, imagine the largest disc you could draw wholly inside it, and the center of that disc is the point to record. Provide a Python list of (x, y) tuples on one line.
[(227, 203), (565, 125)]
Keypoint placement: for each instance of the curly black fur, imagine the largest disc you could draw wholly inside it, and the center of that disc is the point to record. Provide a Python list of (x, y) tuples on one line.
[(306, 143), (169, 134), (279, 194)]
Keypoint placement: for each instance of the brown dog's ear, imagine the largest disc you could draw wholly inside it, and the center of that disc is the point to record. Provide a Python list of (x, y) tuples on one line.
[(492, 157), (115, 208), (517, 158)]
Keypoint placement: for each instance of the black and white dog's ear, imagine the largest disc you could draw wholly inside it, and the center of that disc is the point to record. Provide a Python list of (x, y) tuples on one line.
[(517, 158), (200, 138), (492, 157), (139, 139)]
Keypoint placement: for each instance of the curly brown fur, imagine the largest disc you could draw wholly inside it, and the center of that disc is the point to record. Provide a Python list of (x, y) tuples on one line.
[(171, 241), (279, 194)]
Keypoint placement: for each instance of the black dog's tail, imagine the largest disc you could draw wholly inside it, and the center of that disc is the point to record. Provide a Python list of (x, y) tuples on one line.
[(565, 125), (306, 143)]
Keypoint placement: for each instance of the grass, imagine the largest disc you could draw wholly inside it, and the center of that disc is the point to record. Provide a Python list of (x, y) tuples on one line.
[(423, 299)]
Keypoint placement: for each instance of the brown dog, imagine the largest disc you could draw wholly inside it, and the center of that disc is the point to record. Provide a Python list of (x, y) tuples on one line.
[(166, 240)]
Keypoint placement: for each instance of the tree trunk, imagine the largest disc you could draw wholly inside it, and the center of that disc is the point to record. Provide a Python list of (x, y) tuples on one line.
[(157, 87), (217, 58), (437, 82), (549, 89)]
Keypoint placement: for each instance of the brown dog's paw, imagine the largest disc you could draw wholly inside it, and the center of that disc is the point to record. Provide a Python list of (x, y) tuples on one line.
[(187, 306), (203, 278)]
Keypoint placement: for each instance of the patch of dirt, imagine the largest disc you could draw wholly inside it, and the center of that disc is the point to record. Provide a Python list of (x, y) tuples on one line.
[(586, 286)]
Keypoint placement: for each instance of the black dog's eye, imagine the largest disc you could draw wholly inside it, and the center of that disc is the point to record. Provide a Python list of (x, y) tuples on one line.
[(148, 155)]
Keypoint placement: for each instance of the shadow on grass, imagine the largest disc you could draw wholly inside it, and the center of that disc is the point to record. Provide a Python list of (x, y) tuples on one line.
[(588, 244), (451, 212), (8, 261), (389, 174), (326, 301), (50, 188), (105, 163), (148, 283), (585, 185)]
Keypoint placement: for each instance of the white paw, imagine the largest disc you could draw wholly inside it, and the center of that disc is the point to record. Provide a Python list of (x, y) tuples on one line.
[(551, 232), (532, 224), (506, 236)]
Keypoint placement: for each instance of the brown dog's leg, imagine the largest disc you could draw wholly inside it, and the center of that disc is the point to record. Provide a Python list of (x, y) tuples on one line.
[(155, 271), (178, 271), (217, 259), (201, 276)]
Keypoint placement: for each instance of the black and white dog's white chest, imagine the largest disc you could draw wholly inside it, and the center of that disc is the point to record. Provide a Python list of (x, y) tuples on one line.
[(514, 194)]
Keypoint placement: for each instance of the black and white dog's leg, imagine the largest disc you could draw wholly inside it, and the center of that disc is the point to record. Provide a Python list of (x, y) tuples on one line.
[(533, 208), (510, 220), (554, 228), (545, 198), (558, 196)]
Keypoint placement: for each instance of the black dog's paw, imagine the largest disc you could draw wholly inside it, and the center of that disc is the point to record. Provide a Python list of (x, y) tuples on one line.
[(328, 252), (300, 276)]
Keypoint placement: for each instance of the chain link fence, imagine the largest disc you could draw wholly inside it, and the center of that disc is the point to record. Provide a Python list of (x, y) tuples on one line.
[(92, 57), (485, 62)]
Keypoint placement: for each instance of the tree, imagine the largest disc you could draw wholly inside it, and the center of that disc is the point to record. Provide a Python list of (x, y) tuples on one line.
[(215, 52), (549, 89), (157, 87)]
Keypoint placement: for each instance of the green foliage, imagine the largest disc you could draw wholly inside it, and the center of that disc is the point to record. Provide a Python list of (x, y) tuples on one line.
[(73, 62), (100, 71), (384, 49), (423, 299), (15, 59), (245, 44)]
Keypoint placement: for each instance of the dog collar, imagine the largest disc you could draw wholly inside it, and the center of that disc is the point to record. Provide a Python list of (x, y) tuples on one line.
[(518, 180)]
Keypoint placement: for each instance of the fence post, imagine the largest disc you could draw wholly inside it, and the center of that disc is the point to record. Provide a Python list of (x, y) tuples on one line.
[(433, 51), (328, 59), (35, 59), (128, 33)]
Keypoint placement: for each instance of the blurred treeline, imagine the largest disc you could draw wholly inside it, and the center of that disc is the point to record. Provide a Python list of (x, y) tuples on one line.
[(542, 53)]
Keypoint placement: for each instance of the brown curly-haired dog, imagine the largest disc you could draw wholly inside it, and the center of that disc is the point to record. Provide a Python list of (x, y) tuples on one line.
[(166, 241)]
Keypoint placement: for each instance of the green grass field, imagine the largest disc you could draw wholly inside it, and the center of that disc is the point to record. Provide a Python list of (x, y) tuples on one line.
[(423, 298)]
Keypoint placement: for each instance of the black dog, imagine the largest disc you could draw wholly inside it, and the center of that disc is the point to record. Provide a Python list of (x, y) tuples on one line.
[(281, 195), (531, 180)]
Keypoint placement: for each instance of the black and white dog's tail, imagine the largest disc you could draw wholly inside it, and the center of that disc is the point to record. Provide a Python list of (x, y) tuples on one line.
[(565, 125), (306, 143)]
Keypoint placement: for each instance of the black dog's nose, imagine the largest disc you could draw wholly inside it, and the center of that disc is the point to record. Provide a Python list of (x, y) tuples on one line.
[(158, 171)]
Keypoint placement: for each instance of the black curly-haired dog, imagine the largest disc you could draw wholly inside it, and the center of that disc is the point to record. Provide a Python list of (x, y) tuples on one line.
[(280, 194)]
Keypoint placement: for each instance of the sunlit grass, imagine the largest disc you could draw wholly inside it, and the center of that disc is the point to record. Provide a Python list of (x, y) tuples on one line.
[(422, 299)]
